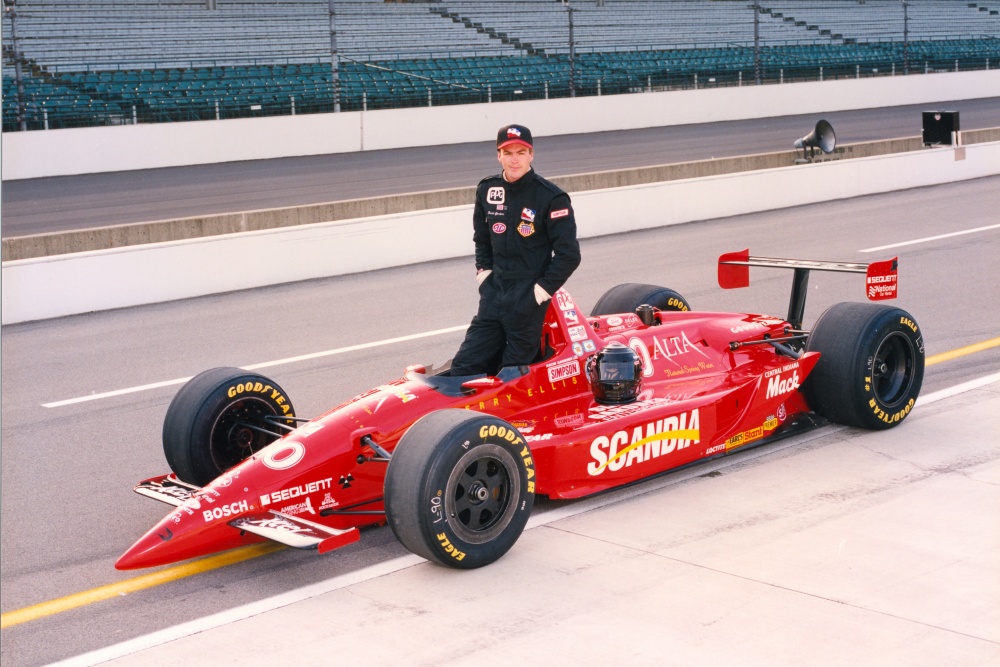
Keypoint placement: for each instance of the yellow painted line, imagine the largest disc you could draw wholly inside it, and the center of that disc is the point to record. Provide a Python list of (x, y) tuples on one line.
[(962, 351), (59, 605)]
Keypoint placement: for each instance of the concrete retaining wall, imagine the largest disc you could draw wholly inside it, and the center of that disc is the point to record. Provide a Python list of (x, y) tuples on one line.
[(98, 280), (122, 148), (119, 236)]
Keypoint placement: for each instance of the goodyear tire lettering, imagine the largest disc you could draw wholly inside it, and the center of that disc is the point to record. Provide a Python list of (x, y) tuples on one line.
[(459, 488)]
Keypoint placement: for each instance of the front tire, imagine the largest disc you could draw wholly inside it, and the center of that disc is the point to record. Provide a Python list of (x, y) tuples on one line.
[(459, 488), (627, 297), (208, 427), (871, 365)]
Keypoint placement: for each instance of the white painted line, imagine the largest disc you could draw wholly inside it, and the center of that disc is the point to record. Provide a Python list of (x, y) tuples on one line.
[(222, 618), (930, 238), (957, 389), (253, 367), (562, 511)]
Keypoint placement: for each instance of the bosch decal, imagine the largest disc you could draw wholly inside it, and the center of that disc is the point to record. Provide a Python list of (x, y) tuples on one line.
[(232, 509)]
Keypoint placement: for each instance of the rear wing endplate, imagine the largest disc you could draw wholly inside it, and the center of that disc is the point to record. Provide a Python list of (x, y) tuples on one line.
[(880, 277)]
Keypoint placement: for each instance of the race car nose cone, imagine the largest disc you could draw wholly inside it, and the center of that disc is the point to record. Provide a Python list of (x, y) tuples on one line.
[(147, 552), (179, 537)]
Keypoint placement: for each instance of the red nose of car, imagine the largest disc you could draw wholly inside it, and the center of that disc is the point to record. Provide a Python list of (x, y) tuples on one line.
[(193, 529)]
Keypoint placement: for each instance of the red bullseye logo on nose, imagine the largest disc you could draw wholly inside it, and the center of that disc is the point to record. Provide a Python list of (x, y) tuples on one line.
[(283, 456)]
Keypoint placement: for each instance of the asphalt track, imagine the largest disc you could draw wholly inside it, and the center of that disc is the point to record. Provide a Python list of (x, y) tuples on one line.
[(68, 510), (43, 205)]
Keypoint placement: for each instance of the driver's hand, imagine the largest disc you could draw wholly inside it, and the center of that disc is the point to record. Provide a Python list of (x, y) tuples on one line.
[(541, 296)]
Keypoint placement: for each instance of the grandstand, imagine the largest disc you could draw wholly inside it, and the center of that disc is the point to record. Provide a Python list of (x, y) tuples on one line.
[(125, 61)]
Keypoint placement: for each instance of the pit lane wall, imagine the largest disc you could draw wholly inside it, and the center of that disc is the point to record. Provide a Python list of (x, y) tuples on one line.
[(68, 284)]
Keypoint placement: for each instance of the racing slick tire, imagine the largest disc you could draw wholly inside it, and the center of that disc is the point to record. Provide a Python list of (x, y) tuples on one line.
[(870, 368), (627, 297), (459, 488), (207, 427)]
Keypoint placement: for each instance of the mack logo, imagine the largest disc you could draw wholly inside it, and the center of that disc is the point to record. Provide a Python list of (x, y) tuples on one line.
[(231, 509), (777, 386), (644, 443), (675, 346)]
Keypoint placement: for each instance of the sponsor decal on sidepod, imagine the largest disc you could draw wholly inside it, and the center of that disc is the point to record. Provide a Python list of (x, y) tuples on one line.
[(657, 438)]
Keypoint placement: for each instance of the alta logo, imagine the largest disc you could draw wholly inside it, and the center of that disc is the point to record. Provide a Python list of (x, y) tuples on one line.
[(776, 386)]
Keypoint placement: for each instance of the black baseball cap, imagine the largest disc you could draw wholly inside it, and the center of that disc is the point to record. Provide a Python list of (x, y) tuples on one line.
[(513, 134)]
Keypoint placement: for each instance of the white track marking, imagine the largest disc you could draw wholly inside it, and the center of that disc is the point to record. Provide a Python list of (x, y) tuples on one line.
[(930, 238), (253, 367)]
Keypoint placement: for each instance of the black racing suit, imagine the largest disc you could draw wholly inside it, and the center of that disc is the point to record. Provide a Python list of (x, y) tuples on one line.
[(525, 233)]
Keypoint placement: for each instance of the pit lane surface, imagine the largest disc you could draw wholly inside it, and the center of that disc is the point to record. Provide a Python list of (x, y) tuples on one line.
[(68, 511), (42, 205)]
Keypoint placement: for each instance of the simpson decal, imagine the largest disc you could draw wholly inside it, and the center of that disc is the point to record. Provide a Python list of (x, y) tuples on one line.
[(561, 213)]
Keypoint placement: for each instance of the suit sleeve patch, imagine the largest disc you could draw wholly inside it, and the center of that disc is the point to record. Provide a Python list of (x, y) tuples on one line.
[(561, 213)]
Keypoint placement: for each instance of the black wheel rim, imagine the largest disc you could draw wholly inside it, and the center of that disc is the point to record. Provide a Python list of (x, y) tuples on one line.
[(235, 436), (479, 493), (892, 370)]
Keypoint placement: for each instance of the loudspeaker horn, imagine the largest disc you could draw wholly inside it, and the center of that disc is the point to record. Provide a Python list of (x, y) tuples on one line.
[(822, 137)]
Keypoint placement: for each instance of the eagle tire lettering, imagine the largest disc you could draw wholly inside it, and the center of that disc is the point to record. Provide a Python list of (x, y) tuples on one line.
[(871, 365), (459, 488)]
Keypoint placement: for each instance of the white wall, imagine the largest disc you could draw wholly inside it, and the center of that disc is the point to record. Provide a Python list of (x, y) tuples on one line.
[(122, 148), (82, 282)]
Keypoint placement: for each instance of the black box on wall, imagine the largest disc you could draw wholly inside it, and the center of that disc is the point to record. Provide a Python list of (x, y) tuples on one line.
[(938, 127)]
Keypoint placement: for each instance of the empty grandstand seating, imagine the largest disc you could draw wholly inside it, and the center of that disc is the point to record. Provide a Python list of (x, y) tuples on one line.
[(122, 61)]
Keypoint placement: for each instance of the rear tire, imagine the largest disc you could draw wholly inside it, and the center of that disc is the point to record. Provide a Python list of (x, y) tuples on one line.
[(205, 430), (871, 365), (629, 296), (459, 488)]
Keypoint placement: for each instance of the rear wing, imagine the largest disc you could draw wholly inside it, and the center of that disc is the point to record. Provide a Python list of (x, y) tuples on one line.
[(880, 277)]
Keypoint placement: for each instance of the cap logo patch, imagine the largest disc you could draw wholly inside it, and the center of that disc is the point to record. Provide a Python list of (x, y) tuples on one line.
[(527, 214), (495, 195), (513, 132), (499, 228)]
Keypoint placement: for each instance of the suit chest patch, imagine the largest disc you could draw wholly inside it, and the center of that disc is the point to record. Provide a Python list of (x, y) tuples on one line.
[(526, 229)]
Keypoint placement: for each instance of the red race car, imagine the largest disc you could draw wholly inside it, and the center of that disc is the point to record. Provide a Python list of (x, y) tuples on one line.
[(452, 464)]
